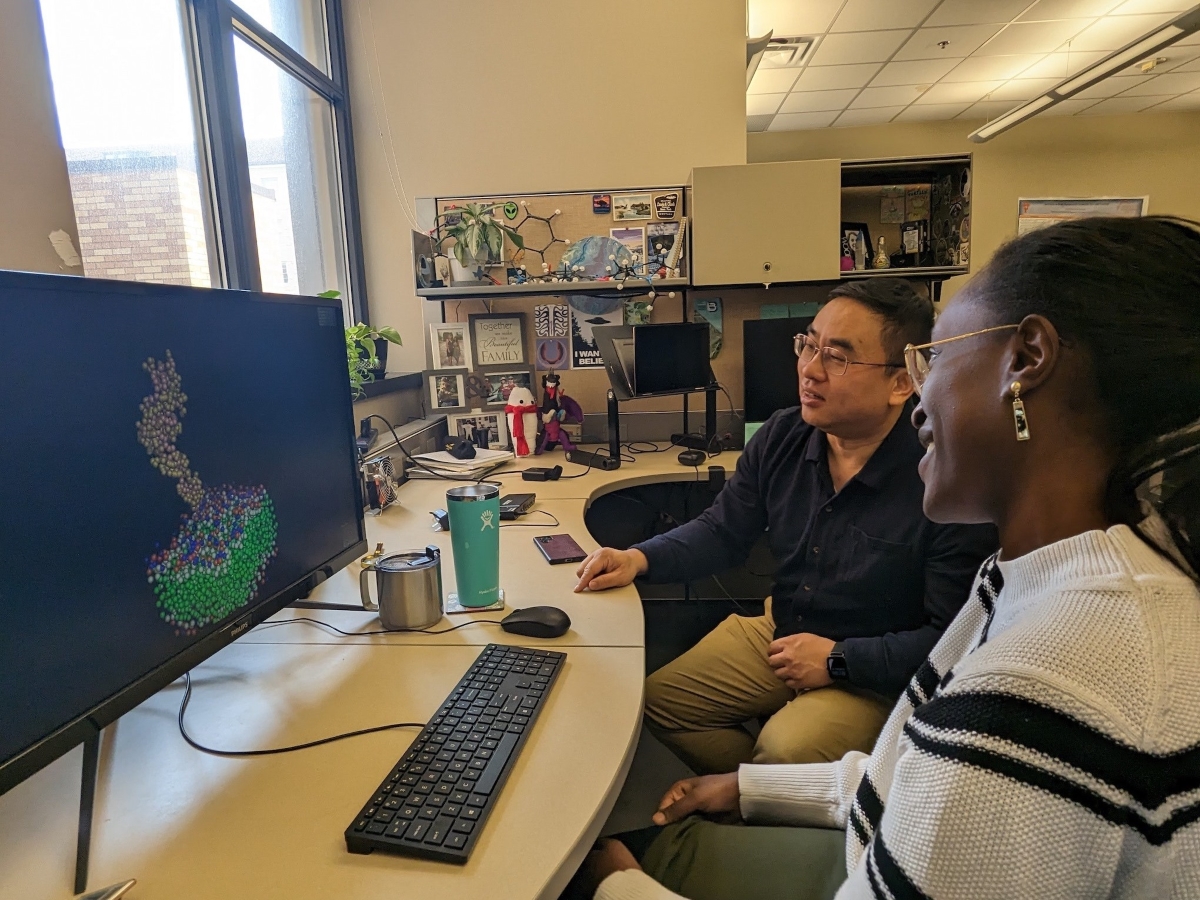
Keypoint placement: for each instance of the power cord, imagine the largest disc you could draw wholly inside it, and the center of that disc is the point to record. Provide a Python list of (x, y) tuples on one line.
[(187, 696), (380, 631), (543, 512)]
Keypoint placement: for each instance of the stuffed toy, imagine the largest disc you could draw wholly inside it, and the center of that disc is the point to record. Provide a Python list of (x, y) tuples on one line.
[(522, 419), (557, 408)]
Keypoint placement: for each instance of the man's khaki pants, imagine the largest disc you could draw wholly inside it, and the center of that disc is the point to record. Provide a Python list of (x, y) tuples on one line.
[(697, 705)]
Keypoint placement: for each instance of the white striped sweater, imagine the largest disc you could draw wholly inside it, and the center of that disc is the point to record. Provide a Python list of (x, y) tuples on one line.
[(1049, 746)]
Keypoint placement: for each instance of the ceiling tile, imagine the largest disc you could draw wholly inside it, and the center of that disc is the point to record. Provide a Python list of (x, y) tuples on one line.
[(1068, 108), (989, 109), (789, 17), (817, 101), (859, 47), (917, 71), (1171, 83), (1034, 37), (1133, 7), (962, 40), (1061, 65), (801, 121), (871, 15), (1112, 86), (1193, 66), (1179, 59), (959, 92), (875, 97), (931, 112), (825, 78), (772, 81), (758, 123), (1045, 10), (1117, 106), (763, 104), (993, 68), (853, 117), (1114, 32), (1020, 89), (1186, 101), (973, 12)]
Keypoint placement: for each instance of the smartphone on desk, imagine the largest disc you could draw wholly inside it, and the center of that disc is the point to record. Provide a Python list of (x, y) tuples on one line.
[(559, 549)]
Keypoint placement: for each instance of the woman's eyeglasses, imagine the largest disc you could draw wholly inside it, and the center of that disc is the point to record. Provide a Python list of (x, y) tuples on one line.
[(919, 357), (835, 361)]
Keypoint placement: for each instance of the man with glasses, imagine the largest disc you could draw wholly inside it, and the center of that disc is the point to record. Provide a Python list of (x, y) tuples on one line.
[(865, 583)]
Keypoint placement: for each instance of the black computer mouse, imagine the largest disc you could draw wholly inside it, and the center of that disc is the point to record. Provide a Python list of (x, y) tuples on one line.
[(537, 621)]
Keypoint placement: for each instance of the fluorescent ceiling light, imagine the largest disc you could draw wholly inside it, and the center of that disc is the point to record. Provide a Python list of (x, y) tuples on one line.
[(1148, 44)]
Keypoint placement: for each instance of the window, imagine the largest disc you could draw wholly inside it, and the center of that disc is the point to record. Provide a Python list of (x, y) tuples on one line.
[(209, 143)]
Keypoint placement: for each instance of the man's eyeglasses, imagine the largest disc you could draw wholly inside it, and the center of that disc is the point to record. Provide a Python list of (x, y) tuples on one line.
[(835, 361), (919, 357)]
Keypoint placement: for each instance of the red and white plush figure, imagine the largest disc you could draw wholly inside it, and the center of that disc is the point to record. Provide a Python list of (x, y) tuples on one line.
[(522, 420)]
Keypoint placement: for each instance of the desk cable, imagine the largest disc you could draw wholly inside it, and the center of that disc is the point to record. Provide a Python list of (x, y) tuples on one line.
[(187, 696)]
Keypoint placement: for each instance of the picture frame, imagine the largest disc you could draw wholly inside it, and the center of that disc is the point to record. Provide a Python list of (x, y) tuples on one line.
[(463, 425), (632, 207), (502, 379), (862, 238), (446, 390), (497, 339), (449, 345)]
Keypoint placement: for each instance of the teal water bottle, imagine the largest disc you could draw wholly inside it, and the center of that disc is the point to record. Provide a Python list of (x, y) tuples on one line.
[(475, 536)]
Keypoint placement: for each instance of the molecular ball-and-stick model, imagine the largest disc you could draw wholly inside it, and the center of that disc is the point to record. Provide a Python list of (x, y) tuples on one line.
[(218, 558)]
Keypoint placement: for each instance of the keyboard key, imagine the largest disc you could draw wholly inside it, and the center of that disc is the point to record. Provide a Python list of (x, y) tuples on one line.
[(452, 809), (456, 841), (435, 800), (471, 812), (376, 828), (397, 829), (459, 797), (496, 764), (416, 831), (384, 815), (438, 832), (490, 744), (473, 773), (483, 754), (514, 728), (402, 791), (444, 789), (409, 812), (370, 811), (467, 785), (424, 788), (362, 823), (463, 826), (477, 800), (429, 812)]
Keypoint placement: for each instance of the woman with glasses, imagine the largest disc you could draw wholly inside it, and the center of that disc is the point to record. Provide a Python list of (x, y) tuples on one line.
[(1049, 746)]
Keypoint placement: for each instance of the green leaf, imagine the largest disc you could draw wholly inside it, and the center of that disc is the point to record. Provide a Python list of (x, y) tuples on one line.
[(460, 253), (514, 236), (330, 295), (390, 334), (495, 242), (474, 242)]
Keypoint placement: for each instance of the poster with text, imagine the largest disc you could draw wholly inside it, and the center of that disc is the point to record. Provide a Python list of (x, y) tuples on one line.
[(586, 313)]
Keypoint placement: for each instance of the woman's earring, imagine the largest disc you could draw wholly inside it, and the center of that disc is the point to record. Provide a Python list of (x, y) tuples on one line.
[(1019, 418)]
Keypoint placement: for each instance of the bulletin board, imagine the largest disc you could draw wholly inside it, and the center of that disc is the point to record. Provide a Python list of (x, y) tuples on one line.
[(549, 223)]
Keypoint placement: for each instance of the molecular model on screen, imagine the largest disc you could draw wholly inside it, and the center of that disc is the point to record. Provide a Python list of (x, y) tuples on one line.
[(218, 558)]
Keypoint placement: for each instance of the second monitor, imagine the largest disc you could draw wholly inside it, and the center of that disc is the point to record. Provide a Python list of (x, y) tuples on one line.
[(653, 360)]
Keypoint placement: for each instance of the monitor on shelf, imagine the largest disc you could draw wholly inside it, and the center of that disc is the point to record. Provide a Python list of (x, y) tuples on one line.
[(177, 465), (769, 360)]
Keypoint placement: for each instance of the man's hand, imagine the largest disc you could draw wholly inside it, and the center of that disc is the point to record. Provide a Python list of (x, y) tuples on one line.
[(607, 857), (608, 568), (799, 661), (706, 794)]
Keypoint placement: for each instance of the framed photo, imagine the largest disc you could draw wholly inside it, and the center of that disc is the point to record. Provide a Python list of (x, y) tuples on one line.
[(450, 346), (500, 383), (478, 423), (498, 339), (446, 390), (632, 206), (857, 237)]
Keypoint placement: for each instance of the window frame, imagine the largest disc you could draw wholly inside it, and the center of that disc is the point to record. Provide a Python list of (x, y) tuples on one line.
[(211, 27)]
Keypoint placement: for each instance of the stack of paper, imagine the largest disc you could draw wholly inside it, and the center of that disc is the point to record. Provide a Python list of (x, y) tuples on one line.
[(442, 464)]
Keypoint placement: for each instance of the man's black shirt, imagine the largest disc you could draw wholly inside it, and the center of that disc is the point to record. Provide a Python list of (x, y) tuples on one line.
[(862, 566)]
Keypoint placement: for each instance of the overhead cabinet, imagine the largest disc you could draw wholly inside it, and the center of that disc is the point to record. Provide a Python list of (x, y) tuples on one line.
[(765, 223)]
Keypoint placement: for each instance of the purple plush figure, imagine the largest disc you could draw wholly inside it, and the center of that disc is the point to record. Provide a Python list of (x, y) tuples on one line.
[(557, 409)]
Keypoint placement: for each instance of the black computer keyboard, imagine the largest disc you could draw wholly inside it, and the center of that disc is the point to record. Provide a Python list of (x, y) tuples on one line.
[(435, 800)]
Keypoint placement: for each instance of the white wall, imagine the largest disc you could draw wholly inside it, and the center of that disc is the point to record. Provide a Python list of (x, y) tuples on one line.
[(483, 96), (35, 194)]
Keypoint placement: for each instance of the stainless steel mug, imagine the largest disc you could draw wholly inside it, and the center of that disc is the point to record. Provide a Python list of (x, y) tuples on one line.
[(409, 585)]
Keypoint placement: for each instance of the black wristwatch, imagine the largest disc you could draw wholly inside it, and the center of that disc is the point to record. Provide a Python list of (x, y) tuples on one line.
[(836, 664)]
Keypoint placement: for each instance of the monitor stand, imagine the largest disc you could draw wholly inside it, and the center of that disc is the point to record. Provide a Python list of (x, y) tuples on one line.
[(87, 802)]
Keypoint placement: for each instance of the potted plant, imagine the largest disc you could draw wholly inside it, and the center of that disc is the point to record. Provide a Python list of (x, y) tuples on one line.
[(366, 350), (478, 238)]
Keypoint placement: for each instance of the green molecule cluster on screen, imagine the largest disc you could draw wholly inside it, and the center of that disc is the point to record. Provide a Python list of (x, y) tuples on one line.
[(217, 560)]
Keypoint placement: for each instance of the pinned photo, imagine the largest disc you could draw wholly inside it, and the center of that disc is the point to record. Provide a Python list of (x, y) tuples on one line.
[(666, 206), (553, 354), (602, 204), (631, 206), (632, 239)]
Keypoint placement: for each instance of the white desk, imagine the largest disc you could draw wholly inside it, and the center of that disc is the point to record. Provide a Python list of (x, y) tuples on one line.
[(189, 825)]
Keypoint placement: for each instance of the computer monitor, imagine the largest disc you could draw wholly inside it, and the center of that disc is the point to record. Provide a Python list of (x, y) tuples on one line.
[(769, 365), (176, 465), (652, 360)]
